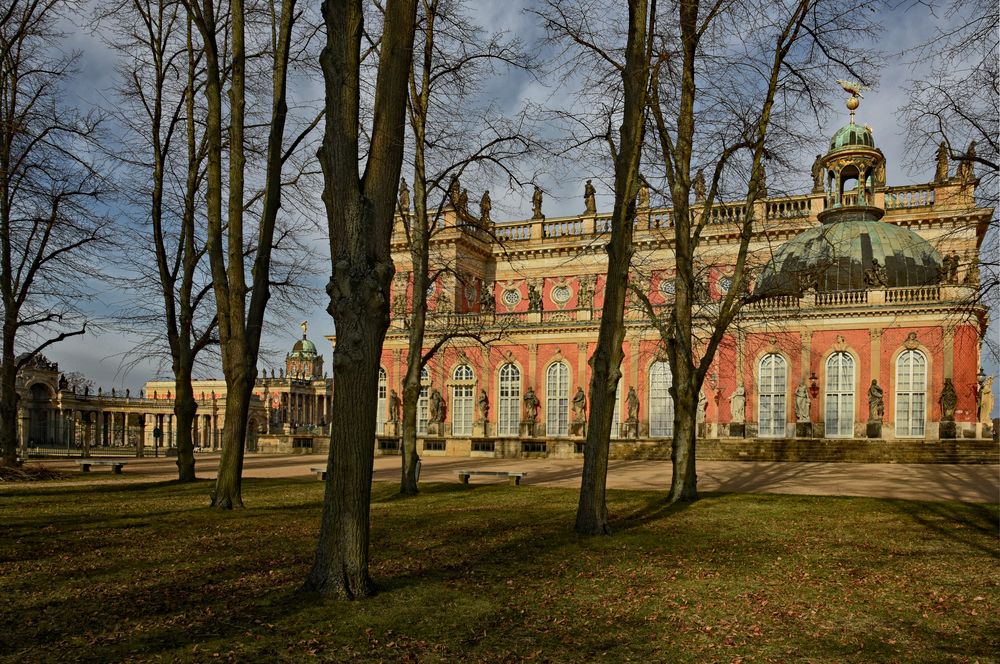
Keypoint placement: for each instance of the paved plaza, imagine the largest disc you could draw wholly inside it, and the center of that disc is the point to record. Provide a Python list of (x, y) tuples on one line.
[(969, 483)]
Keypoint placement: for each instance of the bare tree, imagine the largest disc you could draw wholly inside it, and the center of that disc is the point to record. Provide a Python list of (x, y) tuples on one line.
[(452, 137), (953, 111), (241, 305), (785, 53), (164, 153), (50, 187), (360, 211)]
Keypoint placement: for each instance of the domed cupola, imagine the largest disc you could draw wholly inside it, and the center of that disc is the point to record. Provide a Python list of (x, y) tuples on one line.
[(303, 361), (851, 249)]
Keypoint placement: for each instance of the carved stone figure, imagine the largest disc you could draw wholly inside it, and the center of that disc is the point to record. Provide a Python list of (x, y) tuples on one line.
[(435, 410), (463, 201), (443, 304), (699, 186), (483, 404), (393, 406), (972, 275), (879, 174), (585, 295), (702, 407), (485, 207), (632, 404), (534, 298), (817, 174), (536, 204), (579, 405), (948, 401), (589, 198), (531, 404), (876, 274), (802, 403), (985, 400), (487, 301), (454, 189), (967, 167), (404, 196), (643, 193), (876, 405), (737, 405), (941, 170)]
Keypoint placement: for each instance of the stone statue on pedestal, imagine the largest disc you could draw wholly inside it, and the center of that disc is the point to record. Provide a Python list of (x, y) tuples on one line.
[(393, 406), (589, 198), (483, 404), (941, 169), (436, 408), (579, 405), (802, 403), (536, 204), (876, 404), (485, 206), (737, 405), (531, 404)]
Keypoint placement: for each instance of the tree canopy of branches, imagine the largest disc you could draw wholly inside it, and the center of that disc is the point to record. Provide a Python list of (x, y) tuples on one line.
[(955, 107), (51, 187), (359, 208)]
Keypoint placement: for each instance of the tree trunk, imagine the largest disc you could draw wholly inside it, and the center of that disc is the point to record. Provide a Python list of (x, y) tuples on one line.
[(592, 509), (185, 409), (239, 386), (684, 480), (8, 405), (411, 394), (362, 318)]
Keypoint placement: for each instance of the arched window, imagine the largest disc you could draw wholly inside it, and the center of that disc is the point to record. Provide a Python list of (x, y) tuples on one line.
[(462, 400), (380, 415), (509, 408), (557, 400), (422, 401), (772, 387), (661, 404), (911, 393), (840, 396)]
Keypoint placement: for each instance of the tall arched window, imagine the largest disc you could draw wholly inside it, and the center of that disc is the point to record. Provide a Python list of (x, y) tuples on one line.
[(772, 388), (661, 404), (557, 400), (380, 415), (911, 393), (422, 401), (509, 406), (462, 400), (840, 395)]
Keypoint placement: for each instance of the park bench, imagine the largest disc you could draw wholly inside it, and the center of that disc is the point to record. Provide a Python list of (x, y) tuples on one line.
[(320, 472), (514, 479), (116, 466)]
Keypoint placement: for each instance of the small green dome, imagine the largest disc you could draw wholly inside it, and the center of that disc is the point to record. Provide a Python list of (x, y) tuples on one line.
[(304, 348), (852, 135), (840, 256)]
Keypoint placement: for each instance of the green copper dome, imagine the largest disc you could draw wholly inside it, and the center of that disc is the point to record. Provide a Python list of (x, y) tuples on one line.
[(852, 135), (304, 348), (843, 255)]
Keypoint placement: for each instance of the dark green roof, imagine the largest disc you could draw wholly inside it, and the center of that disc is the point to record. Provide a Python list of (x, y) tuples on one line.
[(304, 348), (852, 135), (833, 257)]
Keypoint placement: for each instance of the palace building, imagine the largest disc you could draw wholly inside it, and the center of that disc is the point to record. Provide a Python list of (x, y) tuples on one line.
[(861, 340)]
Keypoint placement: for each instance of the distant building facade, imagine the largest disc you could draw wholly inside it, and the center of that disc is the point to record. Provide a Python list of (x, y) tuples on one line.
[(864, 325)]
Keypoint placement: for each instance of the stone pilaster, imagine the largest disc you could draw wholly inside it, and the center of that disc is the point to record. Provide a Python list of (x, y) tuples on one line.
[(948, 357)]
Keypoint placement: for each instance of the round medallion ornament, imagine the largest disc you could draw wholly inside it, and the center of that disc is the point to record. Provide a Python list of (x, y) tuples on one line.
[(667, 287), (724, 284), (561, 294), (511, 298)]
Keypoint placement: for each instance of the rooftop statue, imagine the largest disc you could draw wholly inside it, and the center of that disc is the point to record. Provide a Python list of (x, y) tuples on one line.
[(536, 204), (589, 198)]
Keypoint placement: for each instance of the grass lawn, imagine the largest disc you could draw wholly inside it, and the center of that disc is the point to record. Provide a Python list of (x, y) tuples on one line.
[(125, 571)]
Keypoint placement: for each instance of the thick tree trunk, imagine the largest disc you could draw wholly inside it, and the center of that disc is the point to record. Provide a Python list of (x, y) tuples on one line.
[(411, 393), (362, 318), (592, 509), (684, 480), (185, 409), (8, 407)]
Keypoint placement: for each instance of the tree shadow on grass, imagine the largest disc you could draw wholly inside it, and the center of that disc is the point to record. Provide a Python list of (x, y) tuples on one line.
[(971, 524)]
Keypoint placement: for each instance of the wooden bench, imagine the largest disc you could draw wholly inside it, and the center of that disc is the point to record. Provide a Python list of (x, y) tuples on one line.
[(514, 479), (320, 472), (116, 466)]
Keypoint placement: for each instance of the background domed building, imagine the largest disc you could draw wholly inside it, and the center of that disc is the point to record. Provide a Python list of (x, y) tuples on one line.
[(861, 340)]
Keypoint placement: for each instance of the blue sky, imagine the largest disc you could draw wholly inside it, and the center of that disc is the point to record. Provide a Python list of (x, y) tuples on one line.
[(99, 355)]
